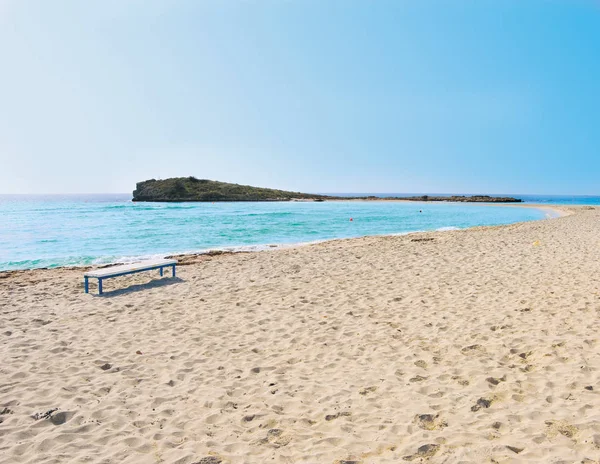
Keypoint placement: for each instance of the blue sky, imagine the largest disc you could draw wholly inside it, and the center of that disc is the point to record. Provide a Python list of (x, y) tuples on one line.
[(456, 96)]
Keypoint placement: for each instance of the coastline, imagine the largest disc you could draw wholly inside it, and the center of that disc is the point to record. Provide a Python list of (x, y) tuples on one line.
[(552, 211), (561, 210), (468, 343)]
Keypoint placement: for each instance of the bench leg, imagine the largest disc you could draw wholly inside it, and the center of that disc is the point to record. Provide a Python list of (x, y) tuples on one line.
[(86, 285), (173, 270), (161, 271), (99, 286)]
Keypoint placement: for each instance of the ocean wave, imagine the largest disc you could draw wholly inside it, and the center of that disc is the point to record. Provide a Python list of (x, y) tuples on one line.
[(448, 228)]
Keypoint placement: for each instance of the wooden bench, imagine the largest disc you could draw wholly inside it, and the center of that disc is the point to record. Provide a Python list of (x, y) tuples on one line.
[(125, 269)]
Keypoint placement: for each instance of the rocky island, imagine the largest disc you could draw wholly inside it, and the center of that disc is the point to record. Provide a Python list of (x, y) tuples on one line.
[(464, 199), (192, 189), (179, 189)]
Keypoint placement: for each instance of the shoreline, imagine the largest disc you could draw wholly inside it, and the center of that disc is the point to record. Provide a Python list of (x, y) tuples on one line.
[(553, 212)]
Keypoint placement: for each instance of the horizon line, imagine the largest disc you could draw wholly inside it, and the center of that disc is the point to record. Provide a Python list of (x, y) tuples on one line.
[(335, 193)]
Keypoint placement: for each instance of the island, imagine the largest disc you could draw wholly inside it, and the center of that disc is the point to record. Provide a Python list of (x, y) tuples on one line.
[(182, 189)]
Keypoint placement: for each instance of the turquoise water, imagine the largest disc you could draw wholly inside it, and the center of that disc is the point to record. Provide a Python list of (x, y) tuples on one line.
[(50, 231)]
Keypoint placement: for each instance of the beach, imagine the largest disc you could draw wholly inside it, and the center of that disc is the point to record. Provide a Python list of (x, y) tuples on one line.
[(87, 230), (477, 345)]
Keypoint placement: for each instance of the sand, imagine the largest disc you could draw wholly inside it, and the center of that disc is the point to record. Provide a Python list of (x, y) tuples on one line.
[(463, 346)]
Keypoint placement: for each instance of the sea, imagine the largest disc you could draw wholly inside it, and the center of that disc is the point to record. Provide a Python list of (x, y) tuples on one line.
[(46, 231)]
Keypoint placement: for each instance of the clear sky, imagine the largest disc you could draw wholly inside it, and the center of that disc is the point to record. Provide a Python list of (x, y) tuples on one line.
[(453, 96)]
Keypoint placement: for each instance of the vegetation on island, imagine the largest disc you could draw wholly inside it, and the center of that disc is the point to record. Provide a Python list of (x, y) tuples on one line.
[(192, 189), (466, 199)]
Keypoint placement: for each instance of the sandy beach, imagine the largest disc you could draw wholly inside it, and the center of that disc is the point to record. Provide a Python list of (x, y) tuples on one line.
[(473, 346)]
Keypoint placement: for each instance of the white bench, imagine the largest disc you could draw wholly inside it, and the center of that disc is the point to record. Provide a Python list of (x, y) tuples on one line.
[(125, 269)]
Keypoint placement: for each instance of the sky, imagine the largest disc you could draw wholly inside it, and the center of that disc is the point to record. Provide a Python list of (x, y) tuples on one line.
[(423, 96)]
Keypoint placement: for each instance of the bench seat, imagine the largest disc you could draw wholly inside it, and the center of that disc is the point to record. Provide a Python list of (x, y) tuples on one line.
[(116, 271)]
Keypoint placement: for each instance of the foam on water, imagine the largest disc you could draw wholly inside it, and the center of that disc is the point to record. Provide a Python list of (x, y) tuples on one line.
[(447, 228), (79, 231)]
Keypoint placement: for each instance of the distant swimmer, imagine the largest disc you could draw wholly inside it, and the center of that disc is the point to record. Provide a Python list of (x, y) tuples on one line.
[(420, 211)]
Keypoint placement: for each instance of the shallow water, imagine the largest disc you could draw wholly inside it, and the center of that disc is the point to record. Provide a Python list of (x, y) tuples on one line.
[(50, 231)]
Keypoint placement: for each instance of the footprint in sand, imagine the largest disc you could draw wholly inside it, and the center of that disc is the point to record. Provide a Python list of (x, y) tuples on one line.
[(425, 451), (430, 421)]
